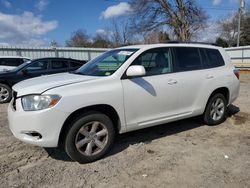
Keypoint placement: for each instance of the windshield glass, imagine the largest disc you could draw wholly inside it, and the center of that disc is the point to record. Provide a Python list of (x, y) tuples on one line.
[(21, 66), (107, 63)]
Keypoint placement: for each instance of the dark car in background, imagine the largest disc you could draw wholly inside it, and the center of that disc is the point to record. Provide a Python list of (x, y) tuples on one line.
[(34, 68)]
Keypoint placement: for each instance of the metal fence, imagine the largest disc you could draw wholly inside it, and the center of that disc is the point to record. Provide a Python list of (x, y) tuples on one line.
[(39, 52), (239, 55)]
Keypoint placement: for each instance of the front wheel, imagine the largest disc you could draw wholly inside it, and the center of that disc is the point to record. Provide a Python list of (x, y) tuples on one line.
[(90, 137), (5, 93), (215, 112)]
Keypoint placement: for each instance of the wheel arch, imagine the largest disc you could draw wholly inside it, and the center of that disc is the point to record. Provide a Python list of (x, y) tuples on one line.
[(6, 83), (223, 90), (102, 108)]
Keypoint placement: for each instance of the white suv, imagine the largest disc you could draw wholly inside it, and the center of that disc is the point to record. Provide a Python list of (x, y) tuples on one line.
[(124, 89), (11, 62)]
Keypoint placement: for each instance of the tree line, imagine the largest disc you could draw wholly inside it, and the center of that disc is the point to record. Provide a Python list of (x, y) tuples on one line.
[(157, 21)]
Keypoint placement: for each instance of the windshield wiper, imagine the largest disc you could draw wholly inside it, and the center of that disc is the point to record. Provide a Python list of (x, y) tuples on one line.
[(74, 72)]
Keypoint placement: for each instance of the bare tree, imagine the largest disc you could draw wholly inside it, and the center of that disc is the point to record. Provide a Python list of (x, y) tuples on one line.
[(245, 34), (120, 33), (228, 27), (54, 44), (156, 37), (101, 41), (229, 31), (78, 38), (183, 17)]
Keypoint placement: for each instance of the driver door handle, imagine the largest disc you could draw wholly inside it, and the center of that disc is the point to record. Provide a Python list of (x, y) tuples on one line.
[(172, 82)]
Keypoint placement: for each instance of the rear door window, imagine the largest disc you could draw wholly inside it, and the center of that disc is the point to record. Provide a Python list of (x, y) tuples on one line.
[(214, 58), (188, 58), (75, 64), (59, 64)]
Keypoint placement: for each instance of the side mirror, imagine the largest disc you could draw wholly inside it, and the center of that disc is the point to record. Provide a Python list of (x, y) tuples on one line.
[(136, 70)]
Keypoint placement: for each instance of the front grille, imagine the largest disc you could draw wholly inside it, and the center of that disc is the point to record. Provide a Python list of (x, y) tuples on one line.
[(14, 94)]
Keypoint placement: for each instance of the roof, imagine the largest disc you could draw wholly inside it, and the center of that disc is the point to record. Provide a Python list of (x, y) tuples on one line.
[(19, 57), (149, 46), (65, 58)]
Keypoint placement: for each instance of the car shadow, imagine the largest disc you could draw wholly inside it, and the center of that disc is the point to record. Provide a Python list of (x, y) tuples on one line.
[(58, 154), (145, 136)]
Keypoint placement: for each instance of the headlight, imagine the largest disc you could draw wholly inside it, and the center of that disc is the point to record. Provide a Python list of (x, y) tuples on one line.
[(39, 102)]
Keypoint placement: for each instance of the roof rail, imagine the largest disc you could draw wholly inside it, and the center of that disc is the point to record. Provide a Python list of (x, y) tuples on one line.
[(176, 42)]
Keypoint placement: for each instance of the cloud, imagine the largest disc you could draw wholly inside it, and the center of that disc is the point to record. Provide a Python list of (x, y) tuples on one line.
[(116, 10), (6, 3), (23, 28), (103, 32), (216, 2), (41, 4)]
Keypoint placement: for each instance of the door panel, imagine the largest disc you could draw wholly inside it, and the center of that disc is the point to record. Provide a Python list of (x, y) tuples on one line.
[(34, 69), (150, 100), (193, 79), (193, 87)]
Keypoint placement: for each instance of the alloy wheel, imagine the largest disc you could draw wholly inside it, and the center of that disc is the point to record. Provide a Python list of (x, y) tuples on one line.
[(91, 138)]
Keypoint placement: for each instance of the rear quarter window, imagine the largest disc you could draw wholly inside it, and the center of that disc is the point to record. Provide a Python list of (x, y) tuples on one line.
[(214, 58)]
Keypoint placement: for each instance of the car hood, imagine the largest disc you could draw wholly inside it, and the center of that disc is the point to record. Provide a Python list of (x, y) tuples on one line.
[(41, 84)]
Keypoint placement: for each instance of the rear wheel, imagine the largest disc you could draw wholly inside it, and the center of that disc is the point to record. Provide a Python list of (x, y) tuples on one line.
[(215, 112), (90, 137), (5, 93)]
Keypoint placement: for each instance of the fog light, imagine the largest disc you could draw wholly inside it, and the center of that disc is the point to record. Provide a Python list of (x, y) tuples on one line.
[(34, 134)]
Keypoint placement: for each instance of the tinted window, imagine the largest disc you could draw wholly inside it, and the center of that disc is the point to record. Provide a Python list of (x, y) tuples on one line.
[(37, 66), (59, 64), (188, 58), (214, 58), (10, 62), (156, 61), (75, 64)]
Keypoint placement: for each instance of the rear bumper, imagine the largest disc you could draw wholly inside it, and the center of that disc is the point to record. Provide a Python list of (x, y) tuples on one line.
[(234, 92)]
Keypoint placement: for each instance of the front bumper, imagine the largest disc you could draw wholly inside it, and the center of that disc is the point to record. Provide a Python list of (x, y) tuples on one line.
[(48, 123)]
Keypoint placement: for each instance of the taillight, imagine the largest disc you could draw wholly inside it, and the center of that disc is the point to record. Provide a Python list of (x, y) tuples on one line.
[(237, 73)]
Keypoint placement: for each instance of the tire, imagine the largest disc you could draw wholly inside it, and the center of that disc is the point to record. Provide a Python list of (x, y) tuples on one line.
[(89, 137), (5, 93), (215, 112)]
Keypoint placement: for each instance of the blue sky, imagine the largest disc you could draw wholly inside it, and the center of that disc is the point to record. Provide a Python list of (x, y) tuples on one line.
[(37, 22)]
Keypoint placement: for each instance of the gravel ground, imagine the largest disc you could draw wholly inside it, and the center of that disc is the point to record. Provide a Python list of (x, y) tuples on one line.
[(181, 154)]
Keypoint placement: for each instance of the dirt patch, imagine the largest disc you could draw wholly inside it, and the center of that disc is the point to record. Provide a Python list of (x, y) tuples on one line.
[(181, 154), (240, 118)]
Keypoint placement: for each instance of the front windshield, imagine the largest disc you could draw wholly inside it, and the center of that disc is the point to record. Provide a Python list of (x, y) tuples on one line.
[(107, 63), (21, 66)]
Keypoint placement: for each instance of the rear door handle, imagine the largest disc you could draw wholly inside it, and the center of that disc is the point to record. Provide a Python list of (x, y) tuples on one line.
[(209, 76), (172, 82)]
